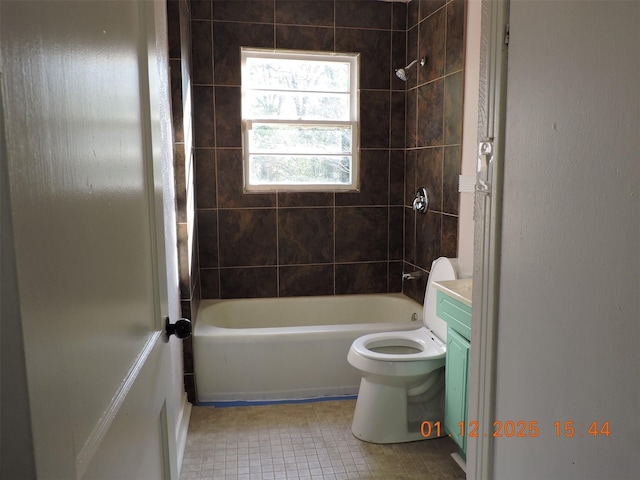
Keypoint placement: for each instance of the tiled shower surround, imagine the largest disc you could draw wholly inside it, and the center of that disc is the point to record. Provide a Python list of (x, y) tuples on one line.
[(291, 244)]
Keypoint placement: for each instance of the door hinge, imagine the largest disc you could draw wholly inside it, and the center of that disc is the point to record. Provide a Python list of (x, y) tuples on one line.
[(506, 35)]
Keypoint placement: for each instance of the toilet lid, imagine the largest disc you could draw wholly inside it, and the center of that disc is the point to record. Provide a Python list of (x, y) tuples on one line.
[(441, 269)]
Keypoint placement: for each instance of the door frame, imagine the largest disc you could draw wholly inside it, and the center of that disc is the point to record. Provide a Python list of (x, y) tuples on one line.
[(487, 235)]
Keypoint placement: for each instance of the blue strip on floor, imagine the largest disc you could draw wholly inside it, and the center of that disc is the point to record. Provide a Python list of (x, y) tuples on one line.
[(251, 403)]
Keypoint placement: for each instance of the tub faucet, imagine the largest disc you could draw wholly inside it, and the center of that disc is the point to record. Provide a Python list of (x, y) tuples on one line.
[(412, 275)]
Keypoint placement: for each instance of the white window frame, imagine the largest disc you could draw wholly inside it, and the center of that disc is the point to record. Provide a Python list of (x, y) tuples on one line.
[(354, 122)]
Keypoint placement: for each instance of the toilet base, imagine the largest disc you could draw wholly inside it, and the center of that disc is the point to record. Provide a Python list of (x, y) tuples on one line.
[(386, 414)]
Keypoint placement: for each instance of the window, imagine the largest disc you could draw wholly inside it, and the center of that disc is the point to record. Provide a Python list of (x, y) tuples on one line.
[(299, 120)]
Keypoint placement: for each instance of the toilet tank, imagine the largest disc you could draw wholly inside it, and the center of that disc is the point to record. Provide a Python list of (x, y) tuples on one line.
[(441, 269)]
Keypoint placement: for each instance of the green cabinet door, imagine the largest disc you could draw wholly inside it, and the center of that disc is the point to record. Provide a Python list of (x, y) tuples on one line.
[(456, 387)]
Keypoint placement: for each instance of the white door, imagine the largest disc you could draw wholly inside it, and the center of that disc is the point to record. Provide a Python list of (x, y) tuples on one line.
[(85, 124)]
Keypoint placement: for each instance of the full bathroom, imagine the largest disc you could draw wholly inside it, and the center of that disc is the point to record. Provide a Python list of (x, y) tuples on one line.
[(93, 385), (238, 248), (81, 292)]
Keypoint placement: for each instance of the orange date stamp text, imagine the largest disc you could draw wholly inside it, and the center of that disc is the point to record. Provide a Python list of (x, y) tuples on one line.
[(520, 429)]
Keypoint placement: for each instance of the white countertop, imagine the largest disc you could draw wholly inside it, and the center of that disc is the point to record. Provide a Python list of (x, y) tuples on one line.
[(460, 289)]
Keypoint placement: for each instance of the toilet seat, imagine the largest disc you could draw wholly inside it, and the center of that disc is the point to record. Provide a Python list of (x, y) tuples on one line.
[(429, 346)]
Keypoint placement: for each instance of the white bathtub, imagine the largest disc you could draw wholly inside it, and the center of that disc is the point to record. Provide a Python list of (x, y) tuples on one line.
[(289, 348)]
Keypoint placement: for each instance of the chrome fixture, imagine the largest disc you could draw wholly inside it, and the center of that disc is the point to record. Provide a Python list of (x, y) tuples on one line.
[(421, 202), (412, 275), (402, 72)]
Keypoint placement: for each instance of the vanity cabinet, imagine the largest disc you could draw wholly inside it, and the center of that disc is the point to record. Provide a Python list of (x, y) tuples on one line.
[(456, 311), (456, 382)]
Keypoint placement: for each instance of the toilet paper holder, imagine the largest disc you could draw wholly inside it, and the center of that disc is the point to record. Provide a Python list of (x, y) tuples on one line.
[(421, 202)]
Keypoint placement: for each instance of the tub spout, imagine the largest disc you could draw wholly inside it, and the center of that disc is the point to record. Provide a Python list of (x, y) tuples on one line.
[(412, 275)]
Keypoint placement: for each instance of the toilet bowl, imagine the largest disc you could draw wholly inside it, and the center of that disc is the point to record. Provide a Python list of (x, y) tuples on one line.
[(402, 382)]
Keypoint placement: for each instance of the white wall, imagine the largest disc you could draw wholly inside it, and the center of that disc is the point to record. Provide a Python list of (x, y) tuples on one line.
[(469, 133), (569, 308)]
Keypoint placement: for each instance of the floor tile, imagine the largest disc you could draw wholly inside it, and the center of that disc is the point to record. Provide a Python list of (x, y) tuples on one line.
[(305, 442)]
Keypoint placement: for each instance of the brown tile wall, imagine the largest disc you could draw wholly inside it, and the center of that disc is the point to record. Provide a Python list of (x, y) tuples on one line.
[(435, 30), (289, 244), (264, 245)]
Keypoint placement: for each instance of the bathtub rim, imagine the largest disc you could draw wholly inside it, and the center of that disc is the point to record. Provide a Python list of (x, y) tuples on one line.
[(204, 327)]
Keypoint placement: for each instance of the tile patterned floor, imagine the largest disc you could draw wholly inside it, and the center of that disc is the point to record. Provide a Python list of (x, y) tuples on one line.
[(303, 441)]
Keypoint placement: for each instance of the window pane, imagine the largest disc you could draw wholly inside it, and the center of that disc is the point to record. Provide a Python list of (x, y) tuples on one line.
[(298, 106), (299, 170), (300, 120), (282, 74), (290, 139)]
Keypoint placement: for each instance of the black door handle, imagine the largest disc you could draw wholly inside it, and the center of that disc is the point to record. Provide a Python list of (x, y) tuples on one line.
[(181, 329)]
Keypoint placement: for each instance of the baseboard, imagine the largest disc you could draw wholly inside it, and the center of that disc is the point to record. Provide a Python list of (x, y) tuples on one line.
[(183, 429)]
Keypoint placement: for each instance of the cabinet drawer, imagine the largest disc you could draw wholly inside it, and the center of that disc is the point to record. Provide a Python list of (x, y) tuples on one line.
[(455, 313)]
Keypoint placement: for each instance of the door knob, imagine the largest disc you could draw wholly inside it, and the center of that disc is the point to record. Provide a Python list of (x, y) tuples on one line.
[(181, 329)]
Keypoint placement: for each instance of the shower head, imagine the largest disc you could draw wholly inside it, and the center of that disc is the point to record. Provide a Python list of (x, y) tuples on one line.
[(402, 72)]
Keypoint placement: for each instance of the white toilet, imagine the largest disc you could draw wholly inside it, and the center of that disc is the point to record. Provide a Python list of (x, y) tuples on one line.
[(402, 382)]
